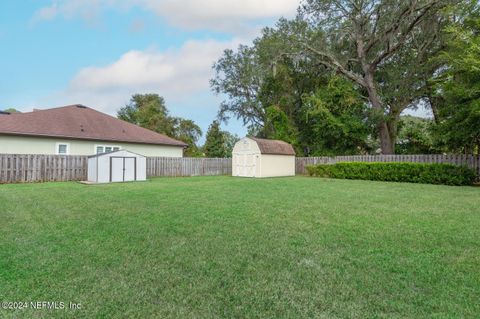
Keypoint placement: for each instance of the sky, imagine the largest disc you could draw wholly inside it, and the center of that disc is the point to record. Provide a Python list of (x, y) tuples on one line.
[(100, 52)]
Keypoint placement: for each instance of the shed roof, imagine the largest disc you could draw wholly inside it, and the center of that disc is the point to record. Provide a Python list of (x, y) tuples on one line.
[(80, 122), (276, 147), (112, 152)]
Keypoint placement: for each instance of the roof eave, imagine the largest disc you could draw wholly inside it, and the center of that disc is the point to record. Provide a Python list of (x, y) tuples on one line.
[(263, 153), (89, 138)]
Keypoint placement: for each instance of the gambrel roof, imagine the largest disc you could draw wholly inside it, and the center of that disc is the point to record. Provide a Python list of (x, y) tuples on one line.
[(273, 146)]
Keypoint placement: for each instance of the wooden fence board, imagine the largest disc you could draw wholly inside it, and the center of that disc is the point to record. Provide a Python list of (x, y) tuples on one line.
[(40, 168), (172, 166)]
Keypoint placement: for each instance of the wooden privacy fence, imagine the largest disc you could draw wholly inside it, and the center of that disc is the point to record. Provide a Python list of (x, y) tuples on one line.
[(42, 168), (472, 161), (45, 168), (171, 166), (48, 168)]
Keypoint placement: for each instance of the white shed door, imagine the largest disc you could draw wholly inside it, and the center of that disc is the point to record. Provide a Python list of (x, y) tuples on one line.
[(129, 169), (243, 164), (240, 165), (116, 170), (249, 165), (123, 169)]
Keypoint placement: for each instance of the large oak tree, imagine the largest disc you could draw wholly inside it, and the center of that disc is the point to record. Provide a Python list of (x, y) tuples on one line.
[(381, 45)]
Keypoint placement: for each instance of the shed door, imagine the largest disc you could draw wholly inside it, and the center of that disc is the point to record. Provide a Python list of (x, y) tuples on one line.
[(243, 164), (129, 169), (123, 169), (240, 165), (116, 169), (249, 165)]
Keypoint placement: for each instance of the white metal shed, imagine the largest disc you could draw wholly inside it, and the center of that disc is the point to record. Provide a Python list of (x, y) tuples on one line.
[(257, 157), (117, 166)]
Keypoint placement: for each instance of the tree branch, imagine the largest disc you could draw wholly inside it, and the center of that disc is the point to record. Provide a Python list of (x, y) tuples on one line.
[(394, 27), (334, 64), (403, 36)]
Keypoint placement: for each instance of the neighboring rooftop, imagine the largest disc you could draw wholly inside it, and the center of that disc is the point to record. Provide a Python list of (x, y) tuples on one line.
[(273, 146), (80, 122)]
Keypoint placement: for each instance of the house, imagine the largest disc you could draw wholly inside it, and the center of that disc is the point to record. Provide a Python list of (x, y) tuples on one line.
[(257, 157), (79, 130)]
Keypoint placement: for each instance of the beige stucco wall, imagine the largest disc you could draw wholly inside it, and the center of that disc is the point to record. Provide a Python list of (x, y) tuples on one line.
[(44, 145), (276, 165)]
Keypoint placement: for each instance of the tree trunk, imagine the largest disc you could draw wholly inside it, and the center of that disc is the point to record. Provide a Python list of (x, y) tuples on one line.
[(392, 130), (386, 144), (434, 102), (393, 127), (436, 117)]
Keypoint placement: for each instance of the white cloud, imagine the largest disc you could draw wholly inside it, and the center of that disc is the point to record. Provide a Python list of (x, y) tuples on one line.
[(223, 15), (177, 74), (46, 13), (182, 74), (68, 9), (219, 15), (175, 70)]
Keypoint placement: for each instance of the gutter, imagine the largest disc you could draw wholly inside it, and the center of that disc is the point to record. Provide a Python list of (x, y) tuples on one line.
[(184, 145)]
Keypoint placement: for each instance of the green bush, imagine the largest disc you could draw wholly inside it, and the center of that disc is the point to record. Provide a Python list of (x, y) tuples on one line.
[(396, 172)]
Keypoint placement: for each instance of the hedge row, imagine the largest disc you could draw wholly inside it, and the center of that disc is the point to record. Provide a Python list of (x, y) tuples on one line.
[(396, 172)]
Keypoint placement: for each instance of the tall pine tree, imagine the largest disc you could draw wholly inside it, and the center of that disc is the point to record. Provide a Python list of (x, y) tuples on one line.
[(150, 111), (215, 145)]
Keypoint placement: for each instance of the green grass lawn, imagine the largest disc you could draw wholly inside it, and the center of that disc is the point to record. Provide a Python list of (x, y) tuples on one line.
[(209, 247)]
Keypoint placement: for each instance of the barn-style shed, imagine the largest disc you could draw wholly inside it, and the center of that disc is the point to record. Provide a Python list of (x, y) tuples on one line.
[(118, 166), (257, 157)]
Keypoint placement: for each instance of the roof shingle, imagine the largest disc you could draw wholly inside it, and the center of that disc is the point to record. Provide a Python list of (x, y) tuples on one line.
[(80, 122), (273, 146)]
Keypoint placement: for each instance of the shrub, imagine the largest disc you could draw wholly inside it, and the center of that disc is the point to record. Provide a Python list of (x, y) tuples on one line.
[(396, 172)]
